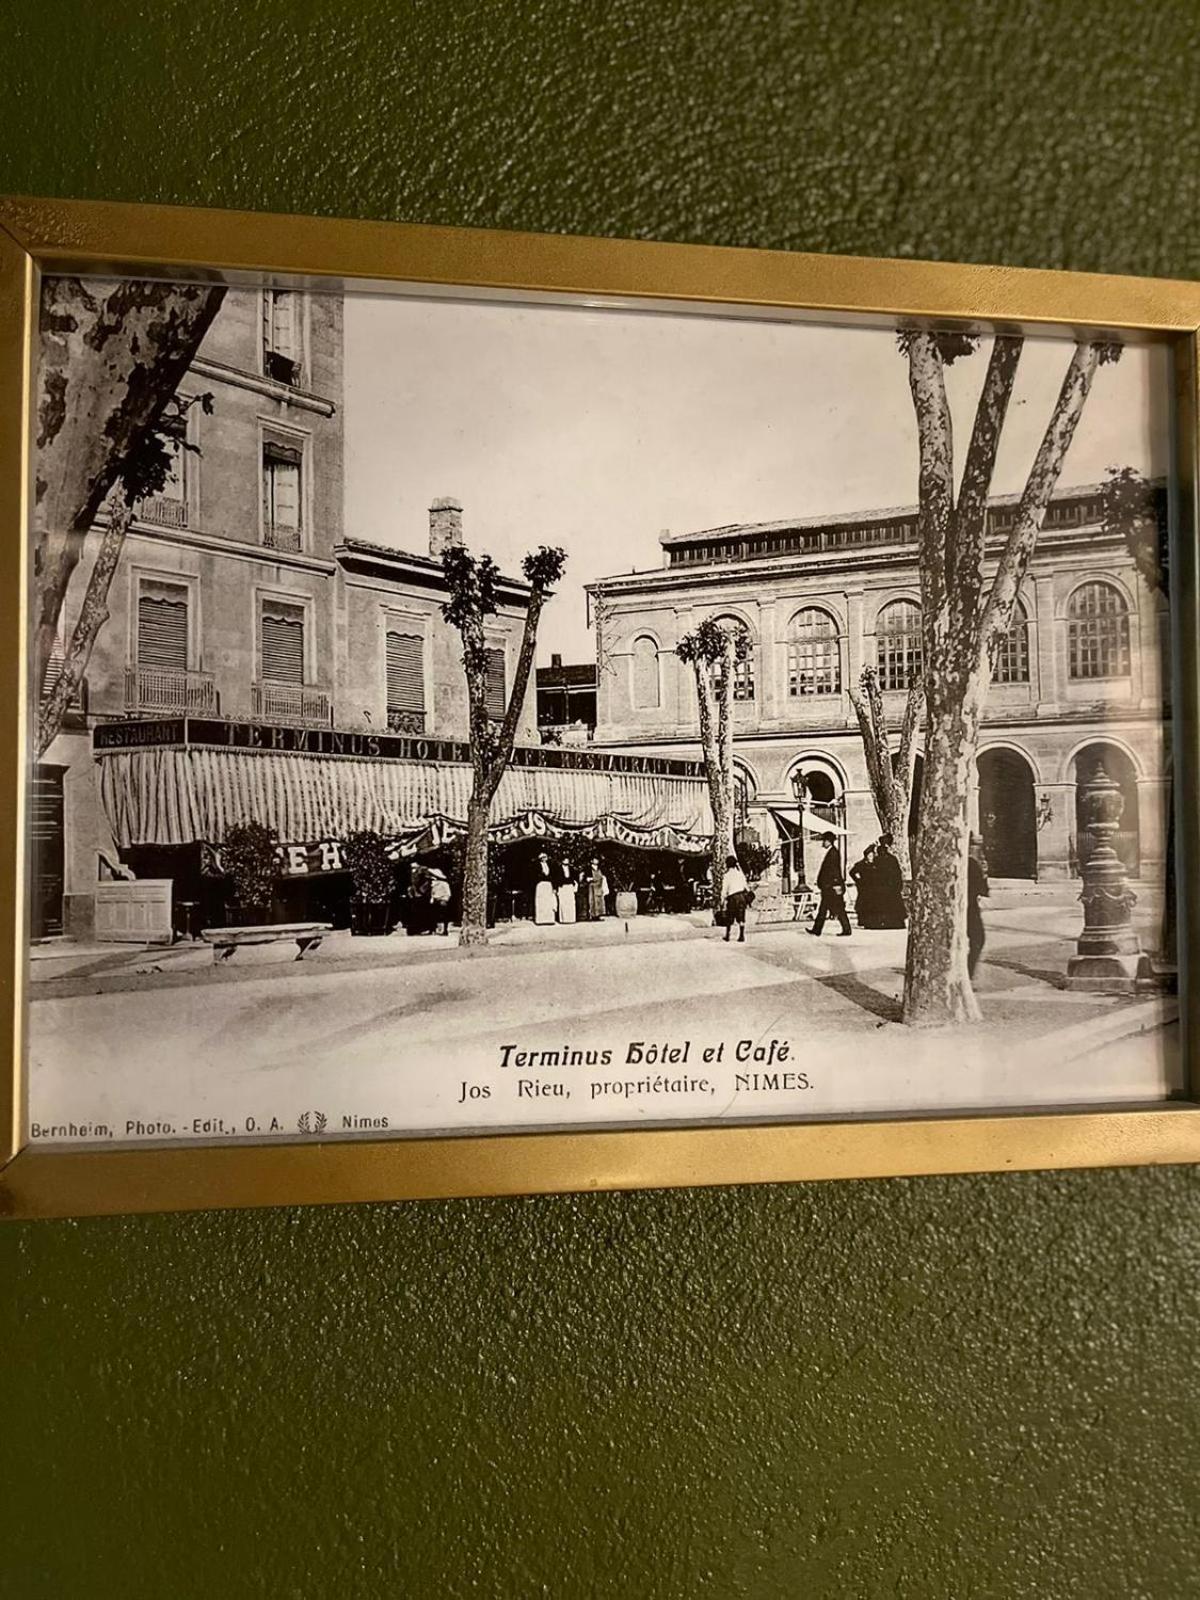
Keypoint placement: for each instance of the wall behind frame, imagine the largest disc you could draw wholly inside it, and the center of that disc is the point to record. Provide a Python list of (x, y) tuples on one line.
[(943, 1387)]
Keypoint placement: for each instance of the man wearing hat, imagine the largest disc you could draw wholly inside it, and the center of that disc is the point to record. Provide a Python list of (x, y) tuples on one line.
[(831, 881)]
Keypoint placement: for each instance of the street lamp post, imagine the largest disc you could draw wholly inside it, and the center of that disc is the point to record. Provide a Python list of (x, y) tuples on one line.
[(1107, 955)]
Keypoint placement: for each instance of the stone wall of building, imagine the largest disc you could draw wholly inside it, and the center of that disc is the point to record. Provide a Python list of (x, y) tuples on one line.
[(1055, 726)]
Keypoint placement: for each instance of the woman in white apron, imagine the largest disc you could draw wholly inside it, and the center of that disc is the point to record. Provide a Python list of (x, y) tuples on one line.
[(545, 901), (566, 897)]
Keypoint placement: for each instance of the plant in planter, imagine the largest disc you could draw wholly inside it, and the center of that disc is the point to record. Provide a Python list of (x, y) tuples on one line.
[(623, 869), (754, 857), (248, 854), (370, 908)]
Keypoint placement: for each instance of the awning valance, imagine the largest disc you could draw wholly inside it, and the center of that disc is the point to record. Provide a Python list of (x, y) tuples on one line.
[(179, 796)]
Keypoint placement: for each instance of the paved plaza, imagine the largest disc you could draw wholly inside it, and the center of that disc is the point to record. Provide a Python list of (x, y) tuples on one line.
[(423, 1035)]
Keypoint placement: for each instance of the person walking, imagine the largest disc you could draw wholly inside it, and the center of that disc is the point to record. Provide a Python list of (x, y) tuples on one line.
[(978, 889), (831, 881), (439, 902), (735, 892)]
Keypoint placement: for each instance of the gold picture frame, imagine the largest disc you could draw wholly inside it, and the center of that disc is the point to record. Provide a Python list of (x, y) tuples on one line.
[(52, 236)]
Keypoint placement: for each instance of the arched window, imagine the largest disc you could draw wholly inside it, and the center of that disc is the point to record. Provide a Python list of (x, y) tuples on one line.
[(743, 670), (646, 691), (814, 659), (898, 644), (743, 794), (1098, 632), (1012, 653)]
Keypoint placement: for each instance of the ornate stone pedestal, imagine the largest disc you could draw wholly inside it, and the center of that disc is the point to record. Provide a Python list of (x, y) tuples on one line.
[(1108, 957)]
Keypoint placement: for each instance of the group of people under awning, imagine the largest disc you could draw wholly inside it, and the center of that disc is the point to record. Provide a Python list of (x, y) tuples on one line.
[(559, 897)]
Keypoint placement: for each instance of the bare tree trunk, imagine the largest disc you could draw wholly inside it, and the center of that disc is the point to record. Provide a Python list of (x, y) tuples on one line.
[(722, 849), (92, 617), (716, 746), (891, 784), (960, 632), (473, 929), (937, 988)]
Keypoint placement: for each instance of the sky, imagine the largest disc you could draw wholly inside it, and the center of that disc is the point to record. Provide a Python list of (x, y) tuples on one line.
[(598, 430)]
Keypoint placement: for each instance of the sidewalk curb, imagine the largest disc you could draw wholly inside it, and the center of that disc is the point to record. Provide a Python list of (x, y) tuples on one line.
[(1137, 1016)]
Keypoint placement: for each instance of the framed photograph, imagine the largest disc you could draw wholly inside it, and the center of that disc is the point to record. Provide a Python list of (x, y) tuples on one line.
[(486, 713)]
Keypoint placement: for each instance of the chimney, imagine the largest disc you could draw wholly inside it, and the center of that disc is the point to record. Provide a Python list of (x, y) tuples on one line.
[(445, 525)]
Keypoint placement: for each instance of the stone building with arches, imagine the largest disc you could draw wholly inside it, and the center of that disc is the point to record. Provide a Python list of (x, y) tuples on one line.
[(1080, 682)]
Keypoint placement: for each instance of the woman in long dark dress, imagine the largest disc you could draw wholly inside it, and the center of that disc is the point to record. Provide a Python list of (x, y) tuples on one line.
[(891, 912), (866, 880)]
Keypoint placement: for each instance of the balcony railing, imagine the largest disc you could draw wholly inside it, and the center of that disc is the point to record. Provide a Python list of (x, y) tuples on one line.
[(279, 538), (405, 721), (166, 512), (293, 704), (170, 689), (567, 733)]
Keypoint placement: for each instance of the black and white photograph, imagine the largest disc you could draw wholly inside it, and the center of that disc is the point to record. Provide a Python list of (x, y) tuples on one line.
[(455, 715)]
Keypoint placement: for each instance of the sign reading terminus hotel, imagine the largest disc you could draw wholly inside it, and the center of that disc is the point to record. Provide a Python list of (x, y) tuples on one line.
[(178, 731)]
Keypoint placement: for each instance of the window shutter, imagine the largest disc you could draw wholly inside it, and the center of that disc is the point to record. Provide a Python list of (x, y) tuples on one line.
[(162, 626), (281, 487), (497, 688), (406, 673), (283, 322), (282, 642)]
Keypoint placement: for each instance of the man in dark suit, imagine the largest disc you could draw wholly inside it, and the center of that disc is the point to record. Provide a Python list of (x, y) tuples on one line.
[(831, 881)]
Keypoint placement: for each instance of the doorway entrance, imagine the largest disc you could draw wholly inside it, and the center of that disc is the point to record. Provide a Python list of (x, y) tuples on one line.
[(1007, 814), (820, 794)]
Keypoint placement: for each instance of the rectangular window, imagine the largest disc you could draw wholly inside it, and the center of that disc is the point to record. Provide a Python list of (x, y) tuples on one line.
[(405, 682), (281, 335), (282, 491), (497, 687), (162, 625), (282, 642)]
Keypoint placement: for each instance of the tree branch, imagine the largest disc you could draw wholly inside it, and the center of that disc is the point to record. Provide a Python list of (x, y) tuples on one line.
[(869, 728), (1040, 485), (93, 615), (506, 737), (906, 756), (935, 476), (964, 566)]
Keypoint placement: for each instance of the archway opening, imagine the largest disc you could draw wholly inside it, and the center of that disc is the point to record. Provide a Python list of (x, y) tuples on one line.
[(1007, 814), (820, 797), (1121, 769)]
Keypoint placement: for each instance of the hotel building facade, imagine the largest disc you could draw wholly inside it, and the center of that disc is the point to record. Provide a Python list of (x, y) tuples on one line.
[(262, 663)]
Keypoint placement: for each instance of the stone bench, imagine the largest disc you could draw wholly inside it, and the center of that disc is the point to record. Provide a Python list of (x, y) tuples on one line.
[(307, 935)]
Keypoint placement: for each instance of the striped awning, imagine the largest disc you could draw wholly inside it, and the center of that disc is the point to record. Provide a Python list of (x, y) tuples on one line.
[(180, 796)]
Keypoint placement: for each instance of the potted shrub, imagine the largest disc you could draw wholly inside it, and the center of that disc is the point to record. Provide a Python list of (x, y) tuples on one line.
[(371, 870), (248, 855), (622, 871)]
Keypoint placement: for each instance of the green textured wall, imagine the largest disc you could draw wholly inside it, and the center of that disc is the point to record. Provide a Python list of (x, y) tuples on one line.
[(948, 1387)]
